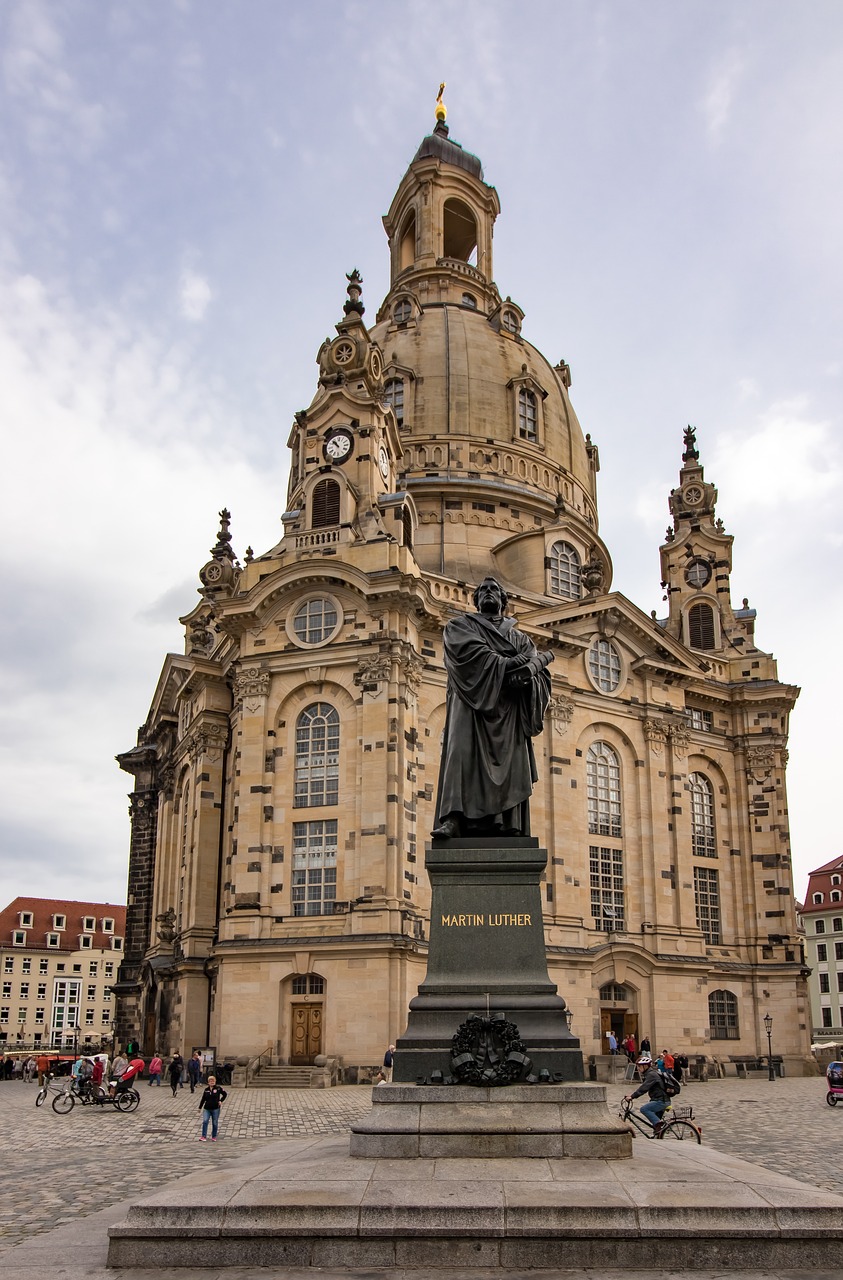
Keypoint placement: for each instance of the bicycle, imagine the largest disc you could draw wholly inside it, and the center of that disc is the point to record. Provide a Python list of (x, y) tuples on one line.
[(64, 1101), (676, 1123)]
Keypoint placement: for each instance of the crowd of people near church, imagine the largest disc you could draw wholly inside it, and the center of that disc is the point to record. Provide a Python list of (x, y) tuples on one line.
[(675, 1063)]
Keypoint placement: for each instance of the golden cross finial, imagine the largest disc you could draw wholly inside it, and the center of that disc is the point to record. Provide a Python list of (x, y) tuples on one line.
[(441, 109)]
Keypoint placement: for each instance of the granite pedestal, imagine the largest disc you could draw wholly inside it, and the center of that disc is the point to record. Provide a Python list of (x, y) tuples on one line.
[(486, 952)]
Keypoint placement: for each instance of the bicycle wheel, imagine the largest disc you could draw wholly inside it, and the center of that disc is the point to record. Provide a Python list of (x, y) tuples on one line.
[(41, 1096), (682, 1131), (128, 1101), (63, 1102)]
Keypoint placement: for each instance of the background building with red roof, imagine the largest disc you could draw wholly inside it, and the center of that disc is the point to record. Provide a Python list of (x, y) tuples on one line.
[(822, 917), (58, 960)]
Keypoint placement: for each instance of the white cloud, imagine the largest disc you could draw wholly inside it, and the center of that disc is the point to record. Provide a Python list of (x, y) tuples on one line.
[(56, 115), (787, 460), (195, 295), (748, 389), (120, 456), (723, 83)]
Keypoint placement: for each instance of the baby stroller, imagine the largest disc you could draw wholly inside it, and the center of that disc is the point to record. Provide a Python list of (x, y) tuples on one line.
[(834, 1077)]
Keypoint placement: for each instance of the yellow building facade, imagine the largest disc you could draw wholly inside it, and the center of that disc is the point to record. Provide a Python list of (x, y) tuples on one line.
[(285, 778)]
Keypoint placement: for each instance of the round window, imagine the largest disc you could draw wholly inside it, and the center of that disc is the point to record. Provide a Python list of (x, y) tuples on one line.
[(315, 621), (402, 311), (698, 573), (604, 665), (510, 322)]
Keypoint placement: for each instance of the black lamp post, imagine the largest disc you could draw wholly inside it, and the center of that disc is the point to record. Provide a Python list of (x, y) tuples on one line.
[(768, 1027)]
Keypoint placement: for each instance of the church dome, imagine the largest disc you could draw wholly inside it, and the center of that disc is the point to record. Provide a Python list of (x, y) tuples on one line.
[(484, 407)]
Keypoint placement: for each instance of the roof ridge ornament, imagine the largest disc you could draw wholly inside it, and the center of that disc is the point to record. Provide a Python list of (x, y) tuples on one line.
[(441, 112), (692, 453), (354, 303)]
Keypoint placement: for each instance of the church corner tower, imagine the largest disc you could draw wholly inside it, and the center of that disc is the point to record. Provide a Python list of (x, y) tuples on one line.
[(285, 776)]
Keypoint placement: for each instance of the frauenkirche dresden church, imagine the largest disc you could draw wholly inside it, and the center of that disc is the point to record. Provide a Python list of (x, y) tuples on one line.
[(285, 778)]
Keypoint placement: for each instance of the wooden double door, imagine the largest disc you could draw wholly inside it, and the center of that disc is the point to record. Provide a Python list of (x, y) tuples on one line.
[(306, 1033)]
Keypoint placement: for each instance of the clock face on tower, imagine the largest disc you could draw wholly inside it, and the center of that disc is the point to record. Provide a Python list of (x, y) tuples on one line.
[(383, 462), (338, 446)]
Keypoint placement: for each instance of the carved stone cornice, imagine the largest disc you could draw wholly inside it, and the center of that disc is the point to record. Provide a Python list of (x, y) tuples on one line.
[(656, 732), (209, 739), (411, 667), (560, 710), (143, 806), (760, 761), (374, 669)]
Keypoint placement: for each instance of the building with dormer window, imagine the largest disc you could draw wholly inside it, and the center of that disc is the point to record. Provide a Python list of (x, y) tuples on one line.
[(285, 777), (58, 962), (822, 919)]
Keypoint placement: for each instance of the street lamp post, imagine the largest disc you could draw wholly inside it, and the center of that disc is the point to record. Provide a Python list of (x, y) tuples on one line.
[(768, 1027)]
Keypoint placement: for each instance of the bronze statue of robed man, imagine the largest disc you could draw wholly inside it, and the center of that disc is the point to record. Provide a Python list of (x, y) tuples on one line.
[(498, 691)]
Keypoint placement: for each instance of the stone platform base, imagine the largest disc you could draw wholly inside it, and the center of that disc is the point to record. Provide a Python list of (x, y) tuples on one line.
[(308, 1203), (409, 1121)]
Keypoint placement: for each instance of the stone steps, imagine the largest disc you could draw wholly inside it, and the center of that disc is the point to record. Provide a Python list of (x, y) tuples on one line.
[(281, 1078)]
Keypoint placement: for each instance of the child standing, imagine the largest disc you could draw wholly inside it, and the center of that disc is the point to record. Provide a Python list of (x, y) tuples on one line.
[(212, 1099)]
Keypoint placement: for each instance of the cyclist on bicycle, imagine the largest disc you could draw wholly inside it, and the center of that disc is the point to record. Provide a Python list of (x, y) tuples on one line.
[(651, 1083)]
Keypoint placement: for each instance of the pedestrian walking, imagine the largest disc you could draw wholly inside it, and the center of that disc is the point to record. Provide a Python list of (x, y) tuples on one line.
[(174, 1072), (388, 1063), (212, 1099), (613, 1041), (194, 1069), (156, 1066)]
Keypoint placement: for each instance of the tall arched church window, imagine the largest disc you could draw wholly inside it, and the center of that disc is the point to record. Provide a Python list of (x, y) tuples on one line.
[(393, 397), (701, 626), (703, 836), (528, 416), (565, 566), (325, 506), (723, 1016), (603, 782), (317, 756)]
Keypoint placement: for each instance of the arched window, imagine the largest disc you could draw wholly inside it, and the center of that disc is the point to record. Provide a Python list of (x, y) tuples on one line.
[(528, 415), (393, 398), (402, 311), (817, 898), (723, 1016), (703, 841), (407, 249), (459, 231), (604, 664), (603, 781), (701, 626), (325, 507), (707, 903), (407, 528), (317, 756), (614, 994), (565, 568)]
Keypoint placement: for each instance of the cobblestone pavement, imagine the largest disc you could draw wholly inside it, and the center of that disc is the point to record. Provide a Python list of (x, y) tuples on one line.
[(57, 1168)]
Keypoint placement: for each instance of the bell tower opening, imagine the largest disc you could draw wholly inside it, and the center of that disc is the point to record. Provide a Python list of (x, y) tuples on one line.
[(459, 232), (407, 246)]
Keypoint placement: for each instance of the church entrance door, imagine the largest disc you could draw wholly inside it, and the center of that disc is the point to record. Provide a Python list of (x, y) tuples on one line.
[(306, 1034)]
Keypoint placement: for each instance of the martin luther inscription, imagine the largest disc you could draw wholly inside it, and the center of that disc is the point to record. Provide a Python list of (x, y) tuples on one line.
[(498, 920)]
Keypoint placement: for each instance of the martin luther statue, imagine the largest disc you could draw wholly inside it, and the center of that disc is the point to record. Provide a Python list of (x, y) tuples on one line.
[(498, 691)]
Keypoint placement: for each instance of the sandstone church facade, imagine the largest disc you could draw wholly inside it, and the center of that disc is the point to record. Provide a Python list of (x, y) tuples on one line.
[(285, 779)]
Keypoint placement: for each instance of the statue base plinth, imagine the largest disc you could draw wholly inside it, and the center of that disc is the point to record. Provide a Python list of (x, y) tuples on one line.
[(486, 954)]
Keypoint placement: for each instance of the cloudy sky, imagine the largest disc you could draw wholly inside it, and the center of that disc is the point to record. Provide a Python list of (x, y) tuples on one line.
[(183, 186)]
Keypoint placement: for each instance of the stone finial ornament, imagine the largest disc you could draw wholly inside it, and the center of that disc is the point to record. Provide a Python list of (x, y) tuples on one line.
[(691, 453), (354, 304)]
